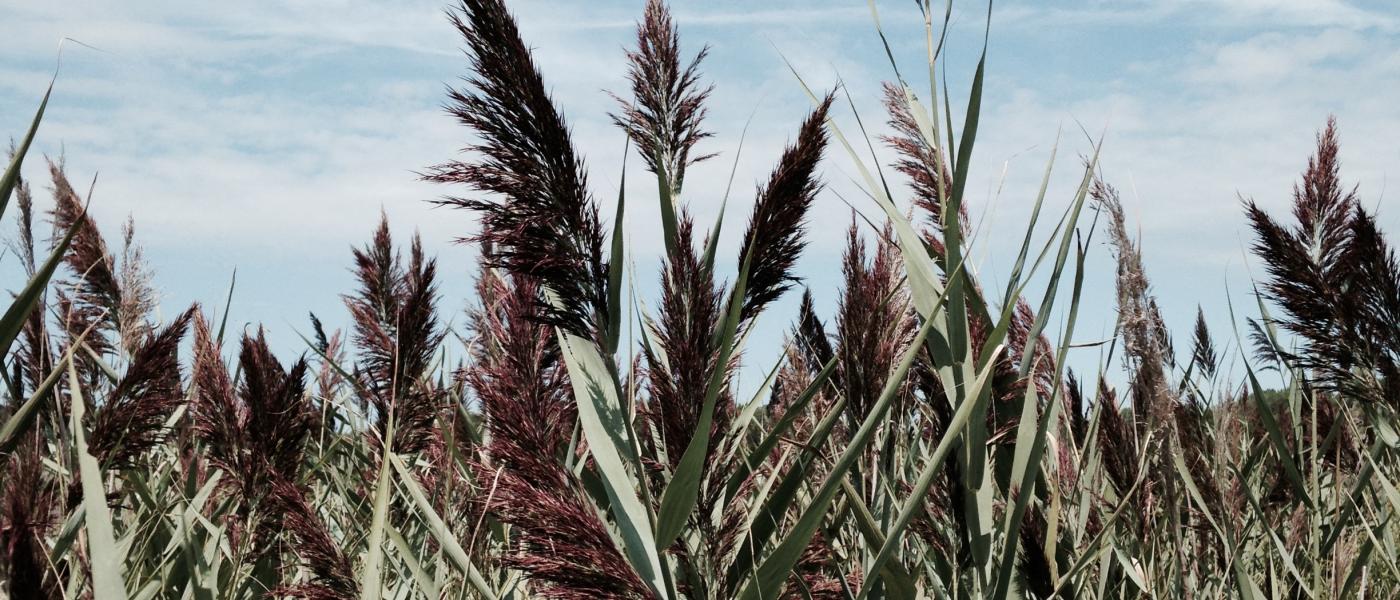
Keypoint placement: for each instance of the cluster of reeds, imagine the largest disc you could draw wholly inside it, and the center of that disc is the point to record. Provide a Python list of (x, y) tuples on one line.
[(925, 441)]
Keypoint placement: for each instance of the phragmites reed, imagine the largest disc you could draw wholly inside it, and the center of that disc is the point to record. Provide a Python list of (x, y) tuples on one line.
[(551, 460), (542, 221), (216, 411), (873, 324), (132, 420), (94, 296), (774, 237), (926, 169), (255, 432), (396, 333), (685, 352), (560, 542), (1337, 281), (921, 163), (116, 295), (664, 117)]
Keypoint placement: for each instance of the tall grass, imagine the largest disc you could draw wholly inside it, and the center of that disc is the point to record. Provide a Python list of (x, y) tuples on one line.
[(926, 441)]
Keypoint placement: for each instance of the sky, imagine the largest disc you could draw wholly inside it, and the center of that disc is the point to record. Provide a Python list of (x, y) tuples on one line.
[(267, 136)]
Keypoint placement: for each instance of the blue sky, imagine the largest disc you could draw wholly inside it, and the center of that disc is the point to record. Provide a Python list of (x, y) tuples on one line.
[(268, 135)]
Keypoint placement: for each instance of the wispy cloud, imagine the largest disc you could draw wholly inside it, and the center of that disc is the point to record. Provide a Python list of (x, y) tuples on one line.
[(1235, 14), (269, 134)]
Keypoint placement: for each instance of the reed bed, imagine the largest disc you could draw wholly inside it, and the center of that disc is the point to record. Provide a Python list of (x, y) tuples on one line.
[(925, 441)]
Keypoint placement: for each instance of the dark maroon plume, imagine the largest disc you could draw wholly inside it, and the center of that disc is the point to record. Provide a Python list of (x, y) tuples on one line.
[(774, 237), (664, 117), (539, 220)]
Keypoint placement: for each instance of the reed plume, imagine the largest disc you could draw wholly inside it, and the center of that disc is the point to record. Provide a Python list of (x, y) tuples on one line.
[(1117, 439), (138, 298), (518, 376), (94, 294), (332, 575), (558, 540), (23, 245), (29, 509), (256, 430), (1203, 354), (563, 545), (541, 221), (923, 164), (396, 334), (809, 334), (686, 351), (664, 117), (1146, 349), (774, 237), (873, 325), (132, 420), (1337, 281)]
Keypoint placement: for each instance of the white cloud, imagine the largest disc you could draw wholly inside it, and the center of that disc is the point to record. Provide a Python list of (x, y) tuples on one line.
[(270, 134)]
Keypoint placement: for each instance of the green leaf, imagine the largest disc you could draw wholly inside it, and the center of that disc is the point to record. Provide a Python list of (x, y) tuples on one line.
[(708, 257), (371, 578), (425, 583), (24, 303), (1030, 447), (666, 197), (617, 264), (440, 530), (794, 411), (774, 570), (1290, 468), (105, 556), (11, 176), (919, 494), (607, 431), (683, 490)]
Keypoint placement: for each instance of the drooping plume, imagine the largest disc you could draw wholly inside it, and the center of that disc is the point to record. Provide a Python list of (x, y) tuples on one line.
[(93, 295), (132, 420), (538, 216), (774, 237), (919, 161), (1146, 349)]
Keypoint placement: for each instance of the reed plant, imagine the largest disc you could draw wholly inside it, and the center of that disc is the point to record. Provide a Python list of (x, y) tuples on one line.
[(925, 441)]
